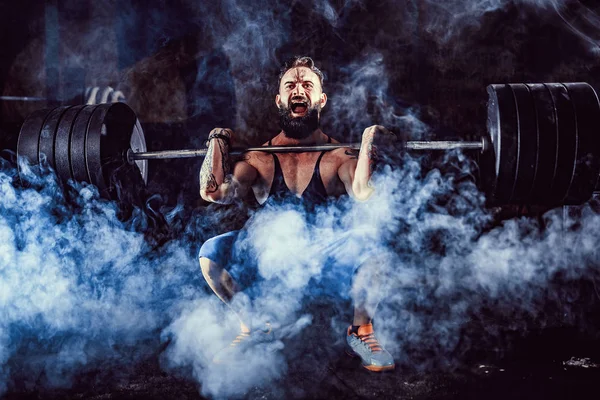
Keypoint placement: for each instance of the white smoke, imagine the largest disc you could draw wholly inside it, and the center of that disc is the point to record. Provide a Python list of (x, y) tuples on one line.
[(77, 281), (447, 21)]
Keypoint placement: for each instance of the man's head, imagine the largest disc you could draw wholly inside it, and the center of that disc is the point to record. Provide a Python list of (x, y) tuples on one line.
[(300, 98)]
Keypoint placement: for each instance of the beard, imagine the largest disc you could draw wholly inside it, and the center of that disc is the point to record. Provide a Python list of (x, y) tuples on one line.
[(299, 127)]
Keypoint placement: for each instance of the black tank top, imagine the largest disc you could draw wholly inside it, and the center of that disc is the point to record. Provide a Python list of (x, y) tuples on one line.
[(314, 193)]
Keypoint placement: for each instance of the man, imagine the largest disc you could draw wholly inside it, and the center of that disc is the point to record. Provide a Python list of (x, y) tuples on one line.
[(312, 177)]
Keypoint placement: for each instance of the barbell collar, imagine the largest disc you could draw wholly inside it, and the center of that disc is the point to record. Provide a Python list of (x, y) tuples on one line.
[(132, 156)]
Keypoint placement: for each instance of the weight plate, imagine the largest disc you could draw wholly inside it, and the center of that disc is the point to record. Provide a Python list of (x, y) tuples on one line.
[(527, 144), (567, 143), (62, 143), (502, 125), (587, 162), (48, 134), (96, 129), (108, 139), (547, 144), (28, 143), (77, 148)]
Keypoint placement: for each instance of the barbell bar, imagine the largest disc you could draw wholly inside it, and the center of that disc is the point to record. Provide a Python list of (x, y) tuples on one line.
[(542, 145), (91, 95), (409, 145)]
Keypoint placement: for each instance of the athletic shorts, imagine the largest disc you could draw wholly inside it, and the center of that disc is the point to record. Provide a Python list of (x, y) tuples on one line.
[(342, 257)]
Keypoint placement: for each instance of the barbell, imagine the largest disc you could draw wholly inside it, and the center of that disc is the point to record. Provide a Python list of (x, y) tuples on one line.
[(541, 145)]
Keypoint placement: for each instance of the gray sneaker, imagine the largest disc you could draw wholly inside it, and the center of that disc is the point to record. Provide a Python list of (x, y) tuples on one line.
[(236, 350), (365, 345)]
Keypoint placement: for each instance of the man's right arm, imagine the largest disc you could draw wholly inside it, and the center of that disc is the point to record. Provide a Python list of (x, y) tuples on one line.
[(218, 183)]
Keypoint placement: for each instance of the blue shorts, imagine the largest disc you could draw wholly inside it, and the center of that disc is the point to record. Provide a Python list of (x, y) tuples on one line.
[(240, 260), (223, 251), (219, 249)]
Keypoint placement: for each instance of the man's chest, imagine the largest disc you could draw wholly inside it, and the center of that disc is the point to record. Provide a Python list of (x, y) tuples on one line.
[(297, 171)]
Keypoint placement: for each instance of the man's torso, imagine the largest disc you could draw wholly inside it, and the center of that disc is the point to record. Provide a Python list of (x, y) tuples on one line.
[(298, 170)]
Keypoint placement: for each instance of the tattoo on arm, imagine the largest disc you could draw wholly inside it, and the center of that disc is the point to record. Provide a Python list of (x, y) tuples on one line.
[(225, 164), (352, 153), (371, 154), (208, 180)]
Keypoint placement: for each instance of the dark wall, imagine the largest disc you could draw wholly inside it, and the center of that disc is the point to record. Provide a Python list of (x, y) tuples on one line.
[(419, 67)]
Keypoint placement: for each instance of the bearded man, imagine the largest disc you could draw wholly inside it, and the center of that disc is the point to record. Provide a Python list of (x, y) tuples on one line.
[(309, 177)]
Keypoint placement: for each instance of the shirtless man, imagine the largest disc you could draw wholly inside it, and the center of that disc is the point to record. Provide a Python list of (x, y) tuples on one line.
[(310, 176)]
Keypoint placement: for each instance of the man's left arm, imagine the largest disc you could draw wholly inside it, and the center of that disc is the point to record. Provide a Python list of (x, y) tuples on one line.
[(356, 172)]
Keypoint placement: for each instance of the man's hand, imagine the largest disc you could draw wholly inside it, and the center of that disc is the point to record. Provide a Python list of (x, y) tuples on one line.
[(220, 181), (356, 174), (377, 134), (225, 134)]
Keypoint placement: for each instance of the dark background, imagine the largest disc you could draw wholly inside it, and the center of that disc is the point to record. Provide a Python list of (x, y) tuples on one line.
[(419, 67), (186, 67)]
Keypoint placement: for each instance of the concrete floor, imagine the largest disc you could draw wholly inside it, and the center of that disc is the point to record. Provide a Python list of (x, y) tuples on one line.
[(344, 379), (556, 363)]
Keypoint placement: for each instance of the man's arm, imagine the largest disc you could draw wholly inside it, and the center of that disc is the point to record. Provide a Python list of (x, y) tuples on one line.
[(217, 183), (356, 172)]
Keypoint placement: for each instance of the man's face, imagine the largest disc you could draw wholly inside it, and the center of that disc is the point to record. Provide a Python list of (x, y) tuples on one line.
[(300, 100)]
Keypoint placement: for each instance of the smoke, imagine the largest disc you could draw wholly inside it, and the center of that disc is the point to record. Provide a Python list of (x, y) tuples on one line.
[(428, 257), (78, 287), (448, 21), (364, 86)]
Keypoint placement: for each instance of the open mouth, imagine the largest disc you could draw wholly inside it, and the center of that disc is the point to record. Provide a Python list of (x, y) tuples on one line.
[(299, 107)]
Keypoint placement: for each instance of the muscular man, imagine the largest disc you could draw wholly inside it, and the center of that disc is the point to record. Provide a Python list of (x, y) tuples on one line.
[(311, 177)]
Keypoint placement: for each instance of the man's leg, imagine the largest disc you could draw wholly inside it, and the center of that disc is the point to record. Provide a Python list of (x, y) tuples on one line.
[(225, 287), (361, 316), (214, 255), (366, 293)]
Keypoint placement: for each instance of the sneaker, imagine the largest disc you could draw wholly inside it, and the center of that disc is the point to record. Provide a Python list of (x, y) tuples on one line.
[(365, 345), (234, 352)]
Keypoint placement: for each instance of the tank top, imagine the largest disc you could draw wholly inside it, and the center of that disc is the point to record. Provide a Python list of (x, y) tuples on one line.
[(314, 193)]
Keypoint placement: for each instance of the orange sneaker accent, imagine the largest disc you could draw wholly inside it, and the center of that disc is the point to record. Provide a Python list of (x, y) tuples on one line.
[(239, 338), (379, 369), (367, 335), (365, 329)]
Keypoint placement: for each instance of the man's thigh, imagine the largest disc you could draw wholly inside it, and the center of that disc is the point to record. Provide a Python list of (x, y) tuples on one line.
[(226, 252)]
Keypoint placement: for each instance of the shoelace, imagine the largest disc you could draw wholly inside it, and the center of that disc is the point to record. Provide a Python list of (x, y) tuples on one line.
[(371, 341)]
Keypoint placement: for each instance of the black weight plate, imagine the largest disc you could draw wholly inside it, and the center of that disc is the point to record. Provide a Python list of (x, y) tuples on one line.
[(96, 129), (527, 144), (547, 144), (567, 143), (48, 134), (108, 139), (77, 148), (587, 163), (93, 150), (118, 173), (28, 143), (503, 131), (62, 143)]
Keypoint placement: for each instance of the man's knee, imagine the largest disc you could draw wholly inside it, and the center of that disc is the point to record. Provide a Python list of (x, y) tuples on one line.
[(210, 269)]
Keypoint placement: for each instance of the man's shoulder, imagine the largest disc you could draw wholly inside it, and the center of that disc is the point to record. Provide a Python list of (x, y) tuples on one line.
[(257, 159), (343, 153)]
